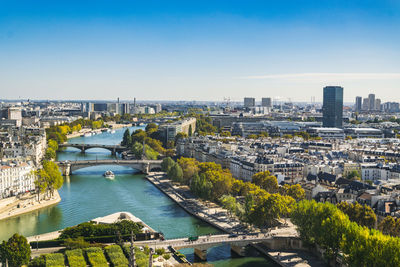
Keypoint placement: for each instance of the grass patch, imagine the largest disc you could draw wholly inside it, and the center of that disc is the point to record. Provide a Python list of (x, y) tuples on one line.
[(54, 260), (96, 257), (116, 256), (75, 258)]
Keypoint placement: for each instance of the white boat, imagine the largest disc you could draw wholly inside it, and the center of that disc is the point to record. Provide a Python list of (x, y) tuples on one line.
[(112, 131), (87, 134), (109, 175)]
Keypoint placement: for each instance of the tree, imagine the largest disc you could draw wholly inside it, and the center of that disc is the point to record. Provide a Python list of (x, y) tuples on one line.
[(175, 173), (16, 251), (353, 175), (54, 178), (50, 154), (52, 144), (229, 203), (166, 164), (151, 128), (295, 191), (180, 135), (361, 214), (266, 181), (190, 130), (127, 139), (137, 149), (189, 167), (41, 182), (252, 136), (390, 226), (225, 134), (139, 136)]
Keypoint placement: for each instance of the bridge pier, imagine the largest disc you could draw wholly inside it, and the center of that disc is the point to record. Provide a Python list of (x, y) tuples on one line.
[(239, 250), (145, 168), (201, 253), (65, 169), (113, 152)]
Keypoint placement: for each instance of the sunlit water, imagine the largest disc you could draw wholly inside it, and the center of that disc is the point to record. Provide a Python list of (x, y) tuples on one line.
[(87, 194)]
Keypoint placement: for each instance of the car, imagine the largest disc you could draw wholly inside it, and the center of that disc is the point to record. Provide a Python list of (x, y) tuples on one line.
[(233, 235)]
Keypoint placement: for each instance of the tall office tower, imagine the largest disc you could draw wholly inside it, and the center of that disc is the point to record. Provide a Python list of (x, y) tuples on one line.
[(371, 99), (266, 102), (358, 105), (249, 102), (378, 104), (365, 104), (332, 108)]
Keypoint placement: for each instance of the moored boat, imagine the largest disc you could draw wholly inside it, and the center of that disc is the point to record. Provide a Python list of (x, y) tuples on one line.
[(109, 175)]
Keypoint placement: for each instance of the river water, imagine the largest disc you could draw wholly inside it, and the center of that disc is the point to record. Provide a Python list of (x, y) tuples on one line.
[(87, 194)]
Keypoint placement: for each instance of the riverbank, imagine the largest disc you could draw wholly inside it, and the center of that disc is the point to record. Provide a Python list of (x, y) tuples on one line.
[(113, 126), (25, 205), (218, 217)]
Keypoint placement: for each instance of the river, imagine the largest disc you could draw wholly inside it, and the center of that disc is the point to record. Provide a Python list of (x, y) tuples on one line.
[(86, 195)]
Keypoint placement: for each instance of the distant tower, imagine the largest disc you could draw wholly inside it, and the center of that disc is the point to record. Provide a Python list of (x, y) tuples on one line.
[(266, 102), (134, 102), (249, 102), (358, 105), (371, 98), (332, 108)]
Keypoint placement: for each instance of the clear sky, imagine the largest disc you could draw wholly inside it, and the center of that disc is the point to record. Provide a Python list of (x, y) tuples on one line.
[(198, 50)]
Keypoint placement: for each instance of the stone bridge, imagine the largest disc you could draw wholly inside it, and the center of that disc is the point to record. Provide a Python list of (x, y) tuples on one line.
[(145, 166), (83, 147), (200, 246)]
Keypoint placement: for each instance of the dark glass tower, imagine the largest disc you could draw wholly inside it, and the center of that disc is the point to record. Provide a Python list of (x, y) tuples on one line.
[(332, 108)]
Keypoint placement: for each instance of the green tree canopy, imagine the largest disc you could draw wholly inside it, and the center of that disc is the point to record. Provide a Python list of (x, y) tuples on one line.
[(166, 164), (127, 139), (176, 173), (266, 181), (16, 251)]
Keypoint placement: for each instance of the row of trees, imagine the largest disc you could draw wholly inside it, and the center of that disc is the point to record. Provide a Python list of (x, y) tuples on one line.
[(261, 202), (324, 224), (59, 133), (149, 136), (48, 179)]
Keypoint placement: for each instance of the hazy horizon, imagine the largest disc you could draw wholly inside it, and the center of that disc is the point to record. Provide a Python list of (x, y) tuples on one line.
[(199, 50)]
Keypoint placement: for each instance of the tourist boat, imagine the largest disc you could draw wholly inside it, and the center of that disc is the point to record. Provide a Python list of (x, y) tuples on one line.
[(112, 131), (109, 175), (87, 134)]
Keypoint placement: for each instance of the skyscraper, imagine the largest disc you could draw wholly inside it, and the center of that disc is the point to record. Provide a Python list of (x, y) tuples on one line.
[(249, 102), (358, 105), (333, 106), (266, 102), (371, 98)]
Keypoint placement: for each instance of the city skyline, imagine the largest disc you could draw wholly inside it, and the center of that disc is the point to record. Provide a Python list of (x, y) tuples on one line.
[(199, 51)]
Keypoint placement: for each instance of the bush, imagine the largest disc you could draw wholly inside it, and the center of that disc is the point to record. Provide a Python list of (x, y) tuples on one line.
[(90, 229), (54, 260), (160, 251), (116, 256), (75, 258), (46, 243), (76, 243), (37, 262), (167, 256), (96, 257)]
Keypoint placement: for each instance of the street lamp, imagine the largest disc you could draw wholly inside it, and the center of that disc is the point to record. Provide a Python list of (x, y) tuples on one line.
[(37, 242)]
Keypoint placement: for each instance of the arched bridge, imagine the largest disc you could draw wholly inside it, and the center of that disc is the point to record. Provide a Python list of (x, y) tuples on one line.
[(202, 243), (146, 166), (83, 147)]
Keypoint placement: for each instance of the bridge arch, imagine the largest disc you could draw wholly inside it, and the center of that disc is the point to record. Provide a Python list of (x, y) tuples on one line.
[(144, 166)]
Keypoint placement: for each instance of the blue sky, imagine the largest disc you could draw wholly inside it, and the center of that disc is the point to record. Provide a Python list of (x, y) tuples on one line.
[(198, 50)]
